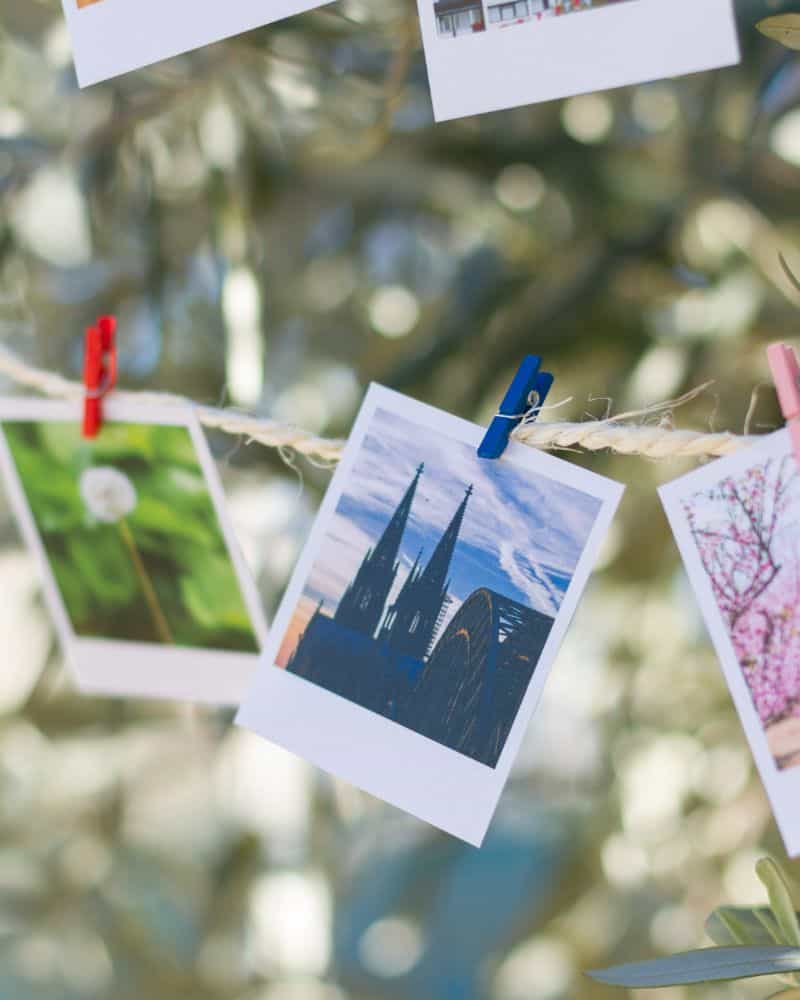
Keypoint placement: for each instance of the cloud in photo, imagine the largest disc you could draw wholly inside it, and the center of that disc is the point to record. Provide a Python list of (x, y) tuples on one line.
[(522, 535)]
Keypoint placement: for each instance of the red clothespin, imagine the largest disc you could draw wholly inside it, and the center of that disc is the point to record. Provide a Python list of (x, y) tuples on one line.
[(786, 374), (99, 371)]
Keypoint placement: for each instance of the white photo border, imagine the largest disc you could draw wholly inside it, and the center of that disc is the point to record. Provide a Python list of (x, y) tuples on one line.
[(112, 37), (120, 667), (431, 781), (577, 53), (782, 787)]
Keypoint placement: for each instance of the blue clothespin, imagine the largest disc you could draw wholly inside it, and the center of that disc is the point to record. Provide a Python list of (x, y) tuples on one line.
[(525, 396)]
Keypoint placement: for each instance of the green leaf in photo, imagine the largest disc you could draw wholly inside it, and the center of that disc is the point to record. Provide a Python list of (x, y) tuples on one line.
[(181, 487), (53, 495), (174, 446), (187, 483), (211, 593), (74, 593), (120, 441), (161, 520), (61, 442), (103, 565)]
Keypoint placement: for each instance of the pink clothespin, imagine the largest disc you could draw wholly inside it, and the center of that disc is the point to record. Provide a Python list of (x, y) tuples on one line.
[(786, 374)]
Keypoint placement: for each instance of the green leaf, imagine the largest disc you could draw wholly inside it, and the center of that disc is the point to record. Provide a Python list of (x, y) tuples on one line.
[(52, 491), (174, 446), (163, 521), (76, 596), (125, 441), (767, 920), (780, 900), (103, 568), (730, 925), (783, 28), (211, 594), (702, 966)]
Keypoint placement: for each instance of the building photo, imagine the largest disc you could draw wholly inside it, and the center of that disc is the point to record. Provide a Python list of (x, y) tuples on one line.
[(464, 17), (437, 585)]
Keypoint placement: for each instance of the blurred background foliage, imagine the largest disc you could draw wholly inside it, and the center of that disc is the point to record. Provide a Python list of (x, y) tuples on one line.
[(172, 526), (276, 221)]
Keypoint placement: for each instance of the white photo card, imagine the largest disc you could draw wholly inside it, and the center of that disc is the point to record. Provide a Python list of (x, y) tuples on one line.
[(418, 629), (111, 37), (484, 55), (737, 525), (142, 575)]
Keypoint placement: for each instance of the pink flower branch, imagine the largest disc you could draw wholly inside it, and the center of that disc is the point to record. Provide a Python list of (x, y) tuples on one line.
[(737, 527)]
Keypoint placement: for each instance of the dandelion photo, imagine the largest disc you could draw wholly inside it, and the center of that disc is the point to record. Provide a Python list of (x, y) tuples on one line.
[(745, 531), (131, 534)]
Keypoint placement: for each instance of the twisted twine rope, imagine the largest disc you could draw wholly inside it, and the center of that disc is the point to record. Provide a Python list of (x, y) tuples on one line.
[(271, 433), (620, 434), (630, 439)]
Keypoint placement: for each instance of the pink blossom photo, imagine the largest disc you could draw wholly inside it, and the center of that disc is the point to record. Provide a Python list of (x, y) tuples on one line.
[(745, 529), (737, 525)]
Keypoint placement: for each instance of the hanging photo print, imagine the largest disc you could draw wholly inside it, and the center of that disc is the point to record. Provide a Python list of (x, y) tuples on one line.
[(141, 572), (419, 627), (111, 37), (484, 55), (737, 524)]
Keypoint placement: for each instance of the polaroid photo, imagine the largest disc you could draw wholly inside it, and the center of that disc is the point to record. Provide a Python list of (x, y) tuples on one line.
[(737, 525), (111, 37), (142, 575), (424, 614), (485, 55)]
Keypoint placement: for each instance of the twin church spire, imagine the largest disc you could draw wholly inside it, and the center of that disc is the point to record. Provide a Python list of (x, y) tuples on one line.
[(411, 622), (361, 605)]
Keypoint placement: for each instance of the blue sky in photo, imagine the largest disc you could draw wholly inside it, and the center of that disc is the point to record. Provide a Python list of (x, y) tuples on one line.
[(522, 535)]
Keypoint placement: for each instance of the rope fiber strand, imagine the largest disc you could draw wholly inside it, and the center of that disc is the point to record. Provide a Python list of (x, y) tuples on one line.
[(624, 434)]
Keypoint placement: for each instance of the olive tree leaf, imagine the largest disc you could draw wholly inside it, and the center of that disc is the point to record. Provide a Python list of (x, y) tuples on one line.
[(730, 925), (783, 28), (702, 966), (795, 281), (767, 920), (780, 900)]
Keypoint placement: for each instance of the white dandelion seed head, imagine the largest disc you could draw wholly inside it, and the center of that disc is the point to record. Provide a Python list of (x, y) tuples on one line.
[(108, 493)]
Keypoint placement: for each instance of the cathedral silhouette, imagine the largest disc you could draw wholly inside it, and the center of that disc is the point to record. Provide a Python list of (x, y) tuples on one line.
[(462, 688), (411, 622)]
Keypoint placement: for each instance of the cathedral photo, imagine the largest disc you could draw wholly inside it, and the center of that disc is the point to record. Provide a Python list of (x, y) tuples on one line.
[(436, 586)]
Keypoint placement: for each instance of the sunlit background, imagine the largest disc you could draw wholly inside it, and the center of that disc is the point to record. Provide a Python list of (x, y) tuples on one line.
[(277, 221)]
